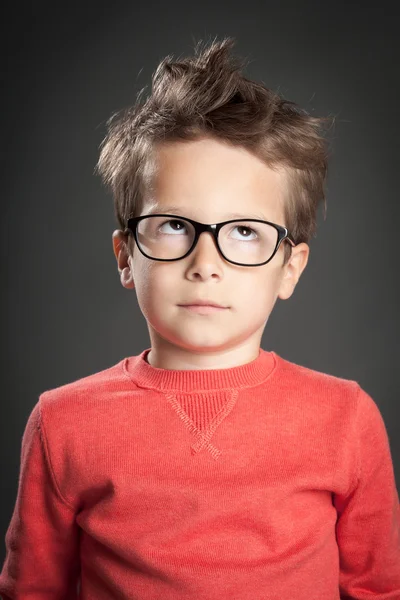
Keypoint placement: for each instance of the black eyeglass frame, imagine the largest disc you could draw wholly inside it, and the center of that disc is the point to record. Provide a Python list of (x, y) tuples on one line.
[(214, 229)]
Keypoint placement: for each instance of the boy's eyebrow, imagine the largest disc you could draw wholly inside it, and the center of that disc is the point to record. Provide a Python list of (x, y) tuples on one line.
[(178, 210)]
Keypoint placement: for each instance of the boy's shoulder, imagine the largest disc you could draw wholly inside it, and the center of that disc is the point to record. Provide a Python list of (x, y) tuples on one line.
[(307, 378), (94, 386)]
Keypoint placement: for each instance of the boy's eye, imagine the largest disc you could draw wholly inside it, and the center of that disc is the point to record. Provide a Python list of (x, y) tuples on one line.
[(175, 225), (246, 230)]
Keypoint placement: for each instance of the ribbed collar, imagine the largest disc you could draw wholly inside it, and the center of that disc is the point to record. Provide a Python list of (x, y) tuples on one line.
[(247, 375)]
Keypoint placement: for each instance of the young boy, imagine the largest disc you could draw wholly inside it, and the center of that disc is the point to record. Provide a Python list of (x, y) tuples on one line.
[(206, 467)]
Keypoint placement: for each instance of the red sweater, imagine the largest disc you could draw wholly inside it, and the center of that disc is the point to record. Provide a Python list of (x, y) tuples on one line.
[(266, 481)]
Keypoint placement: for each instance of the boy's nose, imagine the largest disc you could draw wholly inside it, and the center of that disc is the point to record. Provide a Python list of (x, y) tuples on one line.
[(205, 260)]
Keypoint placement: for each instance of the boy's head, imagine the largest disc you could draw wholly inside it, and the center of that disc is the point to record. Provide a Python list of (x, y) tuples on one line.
[(210, 145)]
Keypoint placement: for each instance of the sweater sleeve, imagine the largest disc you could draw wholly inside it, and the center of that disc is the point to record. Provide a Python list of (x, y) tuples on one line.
[(368, 523), (42, 540)]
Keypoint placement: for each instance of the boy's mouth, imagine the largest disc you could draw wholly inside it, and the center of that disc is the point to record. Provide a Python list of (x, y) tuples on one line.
[(203, 308), (203, 303)]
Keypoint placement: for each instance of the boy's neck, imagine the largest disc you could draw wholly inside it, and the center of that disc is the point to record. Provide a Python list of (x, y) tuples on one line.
[(173, 358)]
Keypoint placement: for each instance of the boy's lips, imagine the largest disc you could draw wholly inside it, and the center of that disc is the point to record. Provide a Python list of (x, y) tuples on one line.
[(204, 309), (203, 303)]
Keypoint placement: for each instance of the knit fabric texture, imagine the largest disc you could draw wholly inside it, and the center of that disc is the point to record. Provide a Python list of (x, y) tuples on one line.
[(264, 481)]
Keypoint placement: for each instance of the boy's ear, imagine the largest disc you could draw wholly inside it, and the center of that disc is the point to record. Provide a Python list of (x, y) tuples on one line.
[(293, 269), (120, 247)]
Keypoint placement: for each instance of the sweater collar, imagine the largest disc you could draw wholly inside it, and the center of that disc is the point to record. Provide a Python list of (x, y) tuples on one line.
[(247, 375)]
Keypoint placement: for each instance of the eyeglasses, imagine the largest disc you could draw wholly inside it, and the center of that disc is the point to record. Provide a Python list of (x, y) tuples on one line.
[(248, 243)]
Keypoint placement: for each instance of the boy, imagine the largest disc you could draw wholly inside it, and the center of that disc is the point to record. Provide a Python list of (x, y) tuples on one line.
[(206, 467)]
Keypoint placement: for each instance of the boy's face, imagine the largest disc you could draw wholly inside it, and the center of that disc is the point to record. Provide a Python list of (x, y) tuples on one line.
[(208, 180)]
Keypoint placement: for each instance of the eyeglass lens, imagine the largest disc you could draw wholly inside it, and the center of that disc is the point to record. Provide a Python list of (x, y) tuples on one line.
[(245, 242)]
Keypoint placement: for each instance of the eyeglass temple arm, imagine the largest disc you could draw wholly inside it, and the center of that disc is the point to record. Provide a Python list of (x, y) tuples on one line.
[(290, 240)]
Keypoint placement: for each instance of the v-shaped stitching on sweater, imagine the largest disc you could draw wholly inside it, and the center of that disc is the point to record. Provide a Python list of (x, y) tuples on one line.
[(203, 437)]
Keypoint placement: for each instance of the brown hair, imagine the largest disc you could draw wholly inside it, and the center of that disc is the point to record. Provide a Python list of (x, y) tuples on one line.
[(207, 95)]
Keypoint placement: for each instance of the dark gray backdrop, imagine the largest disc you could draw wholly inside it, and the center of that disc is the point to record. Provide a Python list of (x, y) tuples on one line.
[(67, 68)]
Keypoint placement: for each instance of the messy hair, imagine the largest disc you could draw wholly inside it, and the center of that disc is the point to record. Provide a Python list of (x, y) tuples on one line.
[(206, 95)]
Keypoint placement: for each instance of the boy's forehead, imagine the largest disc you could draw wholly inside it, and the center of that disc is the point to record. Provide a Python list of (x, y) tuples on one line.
[(224, 182), (154, 205)]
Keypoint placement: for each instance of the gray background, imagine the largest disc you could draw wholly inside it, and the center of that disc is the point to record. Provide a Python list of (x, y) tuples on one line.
[(67, 68)]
